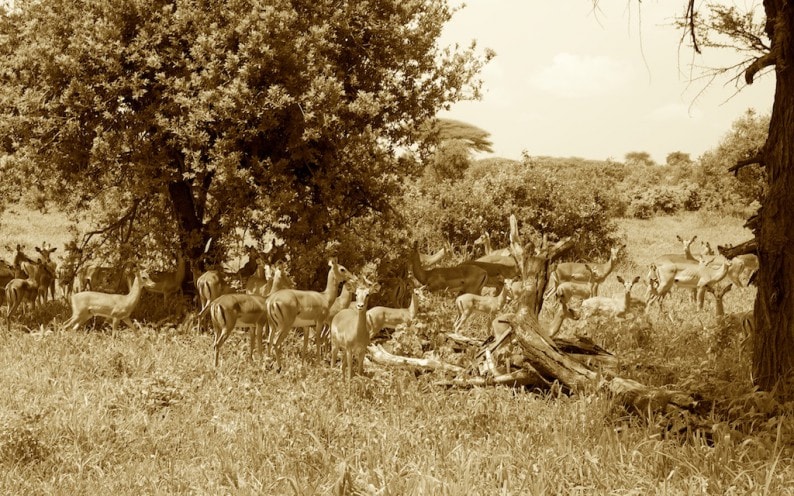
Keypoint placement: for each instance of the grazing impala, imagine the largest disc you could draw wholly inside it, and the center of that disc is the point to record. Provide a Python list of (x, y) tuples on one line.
[(695, 277), (290, 308)]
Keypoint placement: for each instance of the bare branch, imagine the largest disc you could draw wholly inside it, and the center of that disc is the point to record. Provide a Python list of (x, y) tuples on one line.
[(761, 62), (128, 218), (690, 18), (757, 159), (729, 252)]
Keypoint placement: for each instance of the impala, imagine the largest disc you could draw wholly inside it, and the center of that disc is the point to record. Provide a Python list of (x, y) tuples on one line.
[(381, 317), (290, 308), (497, 272), (685, 257), (469, 304), (250, 266), (689, 276), (209, 286), (106, 279), (238, 310), (591, 273), (462, 278), (350, 333), (609, 307), (169, 282), (19, 292), (261, 280), (491, 254), (38, 271), (741, 264), (116, 307), (719, 292), (6, 275)]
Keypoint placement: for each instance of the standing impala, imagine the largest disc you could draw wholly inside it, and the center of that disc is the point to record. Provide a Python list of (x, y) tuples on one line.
[(290, 308), (238, 310), (469, 304), (591, 273), (350, 333), (381, 317), (110, 306), (169, 282), (695, 277), (461, 278)]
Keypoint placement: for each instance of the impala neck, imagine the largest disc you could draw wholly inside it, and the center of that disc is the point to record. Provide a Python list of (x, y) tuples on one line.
[(331, 287), (413, 307), (487, 244), (416, 264), (135, 289), (346, 297), (361, 320), (721, 272)]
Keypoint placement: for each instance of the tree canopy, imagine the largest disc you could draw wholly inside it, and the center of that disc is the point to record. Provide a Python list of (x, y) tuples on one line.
[(282, 116)]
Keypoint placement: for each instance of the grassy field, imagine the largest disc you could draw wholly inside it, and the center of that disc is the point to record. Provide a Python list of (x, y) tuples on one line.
[(145, 412)]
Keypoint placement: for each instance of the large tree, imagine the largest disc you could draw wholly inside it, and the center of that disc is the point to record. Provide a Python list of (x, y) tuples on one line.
[(767, 39), (202, 116)]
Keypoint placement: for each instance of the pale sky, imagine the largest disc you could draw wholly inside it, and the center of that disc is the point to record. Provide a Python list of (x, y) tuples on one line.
[(568, 81)]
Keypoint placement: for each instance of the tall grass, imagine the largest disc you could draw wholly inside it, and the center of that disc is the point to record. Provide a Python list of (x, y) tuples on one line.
[(145, 412)]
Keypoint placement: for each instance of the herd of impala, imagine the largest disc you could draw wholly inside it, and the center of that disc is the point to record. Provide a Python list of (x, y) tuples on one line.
[(343, 319)]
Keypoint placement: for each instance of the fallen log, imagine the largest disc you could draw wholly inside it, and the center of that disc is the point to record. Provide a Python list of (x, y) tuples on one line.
[(517, 378), (554, 365), (379, 355)]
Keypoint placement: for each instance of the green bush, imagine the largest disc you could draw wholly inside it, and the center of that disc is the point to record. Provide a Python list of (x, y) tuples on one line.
[(544, 199)]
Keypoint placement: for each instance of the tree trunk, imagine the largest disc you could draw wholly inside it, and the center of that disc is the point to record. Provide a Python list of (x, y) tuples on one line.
[(192, 233), (773, 344)]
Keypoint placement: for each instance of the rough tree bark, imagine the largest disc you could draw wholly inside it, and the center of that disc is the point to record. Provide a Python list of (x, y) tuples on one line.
[(773, 343)]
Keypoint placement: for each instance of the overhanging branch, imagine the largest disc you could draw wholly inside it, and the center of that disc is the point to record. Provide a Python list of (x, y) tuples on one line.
[(757, 159), (748, 247), (761, 62)]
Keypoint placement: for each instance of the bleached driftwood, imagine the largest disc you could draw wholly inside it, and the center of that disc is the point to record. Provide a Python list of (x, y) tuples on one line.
[(379, 355)]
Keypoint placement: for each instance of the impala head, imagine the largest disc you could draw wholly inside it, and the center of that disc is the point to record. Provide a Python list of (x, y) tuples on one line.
[(615, 251), (20, 256), (627, 285), (484, 237), (363, 293), (45, 252), (340, 272)]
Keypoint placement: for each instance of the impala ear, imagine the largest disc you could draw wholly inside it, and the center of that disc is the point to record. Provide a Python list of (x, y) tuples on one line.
[(620, 280), (636, 280)]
